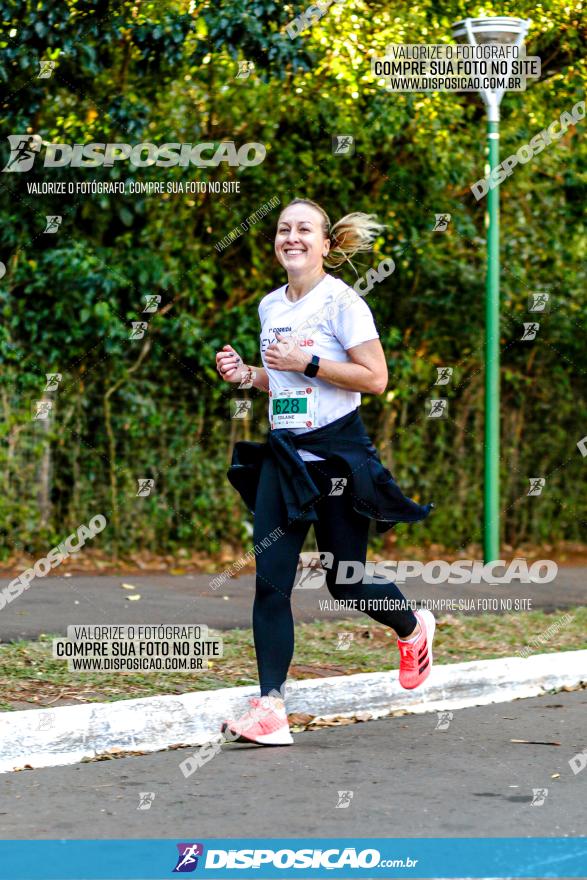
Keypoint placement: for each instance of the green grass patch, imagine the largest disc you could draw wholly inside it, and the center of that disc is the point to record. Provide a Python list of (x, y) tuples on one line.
[(32, 677)]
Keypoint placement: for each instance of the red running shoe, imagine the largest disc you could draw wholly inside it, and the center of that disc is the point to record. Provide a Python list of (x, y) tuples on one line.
[(416, 657), (265, 723)]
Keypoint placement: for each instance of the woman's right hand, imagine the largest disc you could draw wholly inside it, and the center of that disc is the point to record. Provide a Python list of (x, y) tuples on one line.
[(229, 364)]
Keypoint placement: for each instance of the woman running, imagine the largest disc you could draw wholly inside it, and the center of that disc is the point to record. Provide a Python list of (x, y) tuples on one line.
[(320, 350)]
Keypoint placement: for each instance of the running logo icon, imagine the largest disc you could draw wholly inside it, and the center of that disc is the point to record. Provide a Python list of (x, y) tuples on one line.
[(187, 860), (23, 148), (42, 410), (53, 222), (539, 795), (146, 798), (530, 331), (343, 145), (53, 380), (47, 68), (441, 222), (444, 719), (444, 375), (145, 486), (344, 800), (437, 408), (46, 721), (312, 576), (537, 484), (152, 301), (344, 641), (245, 68), (242, 409), (248, 379), (538, 302), (138, 329)]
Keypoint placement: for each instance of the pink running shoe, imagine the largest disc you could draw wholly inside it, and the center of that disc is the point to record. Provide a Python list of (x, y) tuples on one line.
[(416, 657), (265, 723)]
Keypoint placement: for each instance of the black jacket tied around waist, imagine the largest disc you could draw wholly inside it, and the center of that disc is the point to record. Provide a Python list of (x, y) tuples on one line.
[(374, 492)]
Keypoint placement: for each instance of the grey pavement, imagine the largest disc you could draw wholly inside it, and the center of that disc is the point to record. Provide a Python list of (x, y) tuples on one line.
[(407, 778), (53, 603)]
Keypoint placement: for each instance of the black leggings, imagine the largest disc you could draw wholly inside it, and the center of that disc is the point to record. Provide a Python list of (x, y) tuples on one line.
[(340, 531)]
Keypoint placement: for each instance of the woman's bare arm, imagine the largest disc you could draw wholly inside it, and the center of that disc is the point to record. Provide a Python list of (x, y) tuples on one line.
[(365, 372), (260, 378)]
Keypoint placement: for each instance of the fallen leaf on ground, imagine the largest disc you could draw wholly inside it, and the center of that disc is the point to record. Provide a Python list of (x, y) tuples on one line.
[(337, 721), (300, 718)]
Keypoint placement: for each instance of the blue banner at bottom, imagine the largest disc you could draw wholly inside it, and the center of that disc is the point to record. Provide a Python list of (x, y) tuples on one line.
[(503, 857)]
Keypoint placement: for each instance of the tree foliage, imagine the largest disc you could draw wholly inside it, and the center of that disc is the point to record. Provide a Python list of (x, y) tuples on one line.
[(126, 409)]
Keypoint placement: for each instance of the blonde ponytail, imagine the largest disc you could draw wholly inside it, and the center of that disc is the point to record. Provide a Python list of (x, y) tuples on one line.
[(352, 234), (355, 233)]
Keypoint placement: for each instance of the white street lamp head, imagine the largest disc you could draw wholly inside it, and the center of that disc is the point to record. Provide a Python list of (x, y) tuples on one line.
[(499, 30)]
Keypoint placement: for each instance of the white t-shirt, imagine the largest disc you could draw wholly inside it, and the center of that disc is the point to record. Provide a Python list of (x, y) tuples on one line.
[(326, 321)]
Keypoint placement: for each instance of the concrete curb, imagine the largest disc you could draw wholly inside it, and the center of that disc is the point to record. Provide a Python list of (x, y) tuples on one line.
[(67, 735)]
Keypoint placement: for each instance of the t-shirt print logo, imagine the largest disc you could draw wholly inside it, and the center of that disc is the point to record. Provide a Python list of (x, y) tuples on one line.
[(292, 338), (271, 339)]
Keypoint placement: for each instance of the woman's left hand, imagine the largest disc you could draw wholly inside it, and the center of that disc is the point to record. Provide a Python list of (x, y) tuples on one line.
[(285, 354)]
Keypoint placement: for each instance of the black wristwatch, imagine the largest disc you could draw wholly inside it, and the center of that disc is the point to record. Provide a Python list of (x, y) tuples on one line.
[(312, 367)]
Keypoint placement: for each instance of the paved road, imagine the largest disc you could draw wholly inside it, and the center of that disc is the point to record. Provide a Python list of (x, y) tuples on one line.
[(408, 780), (52, 603)]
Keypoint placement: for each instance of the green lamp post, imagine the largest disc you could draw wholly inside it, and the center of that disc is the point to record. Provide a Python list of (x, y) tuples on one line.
[(510, 32)]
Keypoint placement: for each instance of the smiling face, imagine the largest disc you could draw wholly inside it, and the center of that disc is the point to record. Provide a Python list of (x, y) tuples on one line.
[(300, 245)]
